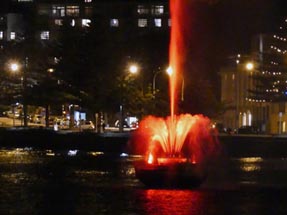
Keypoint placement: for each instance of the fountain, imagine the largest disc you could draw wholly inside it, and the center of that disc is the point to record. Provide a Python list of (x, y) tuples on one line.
[(176, 149)]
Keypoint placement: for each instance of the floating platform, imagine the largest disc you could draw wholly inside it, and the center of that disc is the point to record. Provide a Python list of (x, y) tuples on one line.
[(170, 173)]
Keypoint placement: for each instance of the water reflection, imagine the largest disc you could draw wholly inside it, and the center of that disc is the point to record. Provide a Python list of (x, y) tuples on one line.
[(175, 202), (250, 164)]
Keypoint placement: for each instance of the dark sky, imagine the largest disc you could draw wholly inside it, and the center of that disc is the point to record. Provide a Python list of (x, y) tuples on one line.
[(225, 27), (238, 20)]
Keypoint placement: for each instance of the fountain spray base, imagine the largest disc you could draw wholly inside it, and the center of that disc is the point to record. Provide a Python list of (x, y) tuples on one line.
[(170, 173)]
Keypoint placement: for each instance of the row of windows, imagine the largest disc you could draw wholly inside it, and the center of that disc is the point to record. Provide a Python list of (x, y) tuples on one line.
[(74, 10), (12, 35), (141, 23), (44, 35)]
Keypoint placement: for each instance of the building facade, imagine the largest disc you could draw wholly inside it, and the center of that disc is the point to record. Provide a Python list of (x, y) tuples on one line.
[(48, 17), (257, 95)]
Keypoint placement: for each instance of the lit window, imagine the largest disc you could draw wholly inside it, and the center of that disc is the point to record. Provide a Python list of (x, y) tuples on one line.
[(157, 22), (72, 10), (86, 22), (157, 9), (87, 1), (12, 35), (114, 23), (142, 23), (58, 22), (1, 35), (45, 35), (142, 9), (58, 11)]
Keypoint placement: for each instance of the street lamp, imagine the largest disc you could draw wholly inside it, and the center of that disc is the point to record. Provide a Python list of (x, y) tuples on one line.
[(133, 69), (15, 67), (249, 66), (169, 72)]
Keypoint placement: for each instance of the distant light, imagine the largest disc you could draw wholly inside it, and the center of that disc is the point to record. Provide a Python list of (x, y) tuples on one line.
[(72, 152), (249, 66), (14, 67), (50, 70), (150, 159), (124, 155), (169, 71), (133, 69)]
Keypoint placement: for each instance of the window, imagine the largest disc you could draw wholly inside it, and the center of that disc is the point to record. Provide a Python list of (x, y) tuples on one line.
[(25, 0), (59, 22), (88, 1), (58, 11), (142, 23), (142, 9), (1, 35), (88, 11), (45, 35), (157, 23), (12, 35), (157, 9), (114, 23), (72, 10), (86, 22)]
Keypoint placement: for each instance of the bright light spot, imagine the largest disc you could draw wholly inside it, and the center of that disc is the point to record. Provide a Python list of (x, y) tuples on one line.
[(72, 152), (133, 69), (50, 70), (150, 158), (14, 67), (249, 66), (169, 71), (124, 155)]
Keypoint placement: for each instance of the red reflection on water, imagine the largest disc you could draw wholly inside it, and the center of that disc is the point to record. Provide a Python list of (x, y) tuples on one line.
[(174, 202)]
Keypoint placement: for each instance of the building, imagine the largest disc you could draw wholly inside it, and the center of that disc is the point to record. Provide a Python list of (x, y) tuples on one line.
[(257, 95), (124, 17)]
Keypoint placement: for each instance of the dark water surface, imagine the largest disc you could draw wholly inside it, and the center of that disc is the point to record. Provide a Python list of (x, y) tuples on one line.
[(80, 182)]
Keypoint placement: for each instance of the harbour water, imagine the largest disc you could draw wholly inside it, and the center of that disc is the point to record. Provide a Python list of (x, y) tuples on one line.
[(89, 182)]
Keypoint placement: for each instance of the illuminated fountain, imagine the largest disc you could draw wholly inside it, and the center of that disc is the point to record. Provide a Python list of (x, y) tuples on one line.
[(176, 149)]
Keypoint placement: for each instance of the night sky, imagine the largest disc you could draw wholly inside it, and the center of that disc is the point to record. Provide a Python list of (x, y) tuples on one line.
[(225, 27), (237, 20)]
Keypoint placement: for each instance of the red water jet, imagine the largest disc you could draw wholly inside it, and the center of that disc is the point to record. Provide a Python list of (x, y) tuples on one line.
[(178, 139)]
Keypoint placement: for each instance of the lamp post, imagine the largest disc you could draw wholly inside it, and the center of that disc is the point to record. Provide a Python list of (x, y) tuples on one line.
[(133, 69), (15, 67), (153, 82), (169, 72), (242, 84)]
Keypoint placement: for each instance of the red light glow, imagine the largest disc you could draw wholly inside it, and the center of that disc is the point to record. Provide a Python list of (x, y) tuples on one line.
[(150, 158), (177, 136)]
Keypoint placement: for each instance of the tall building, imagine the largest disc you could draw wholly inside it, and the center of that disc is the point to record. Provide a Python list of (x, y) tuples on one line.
[(48, 17), (257, 96)]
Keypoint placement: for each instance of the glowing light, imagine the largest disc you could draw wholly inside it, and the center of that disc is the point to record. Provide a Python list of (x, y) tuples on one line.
[(249, 66), (133, 69), (150, 158), (169, 71), (177, 138), (14, 67), (72, 152)]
